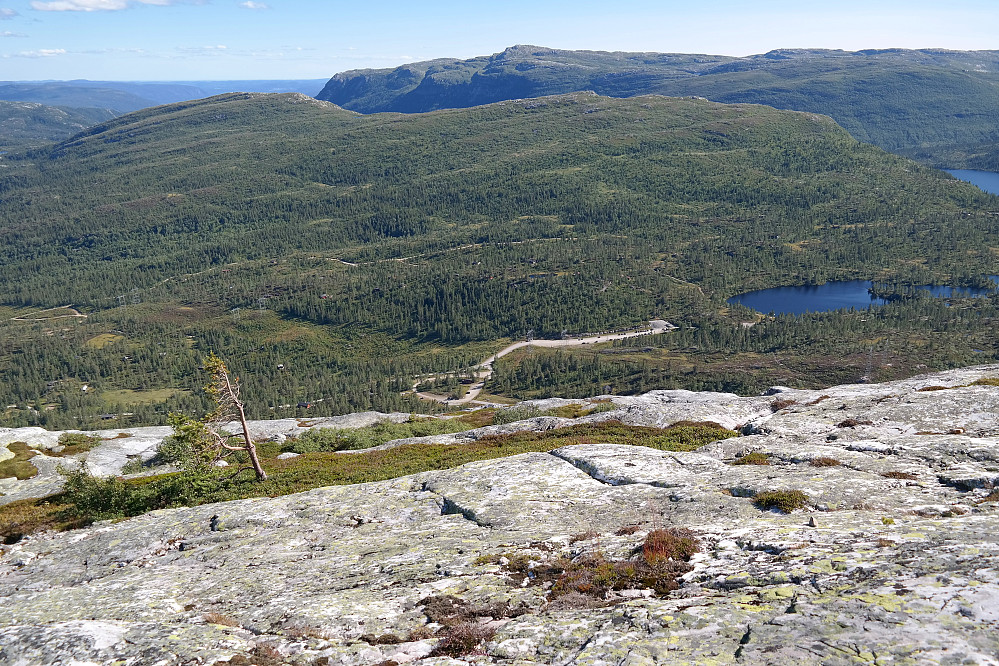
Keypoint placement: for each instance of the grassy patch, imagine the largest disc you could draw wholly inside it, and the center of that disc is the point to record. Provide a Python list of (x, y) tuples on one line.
[(18, 466), (985, 381), (111, 498), (784, 501), (335, 439), (754, 458), (103, 340), (28, 516), (148, 397), (76, 442)]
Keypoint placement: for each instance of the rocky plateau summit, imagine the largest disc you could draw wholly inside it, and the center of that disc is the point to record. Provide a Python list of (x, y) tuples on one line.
[(893, 557)]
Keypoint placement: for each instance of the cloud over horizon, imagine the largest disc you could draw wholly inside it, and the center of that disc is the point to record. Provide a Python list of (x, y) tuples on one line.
[(250, 4), (6, 14)]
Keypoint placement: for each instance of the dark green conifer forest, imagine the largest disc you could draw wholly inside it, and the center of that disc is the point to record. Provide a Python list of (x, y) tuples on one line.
[(331, 257)]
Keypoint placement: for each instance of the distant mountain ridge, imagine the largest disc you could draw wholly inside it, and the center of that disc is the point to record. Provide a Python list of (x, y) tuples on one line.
[(29, 123), (934, 104), (126, 96)]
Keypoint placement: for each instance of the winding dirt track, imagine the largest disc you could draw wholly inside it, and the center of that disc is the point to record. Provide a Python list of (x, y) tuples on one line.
[(484, 370)]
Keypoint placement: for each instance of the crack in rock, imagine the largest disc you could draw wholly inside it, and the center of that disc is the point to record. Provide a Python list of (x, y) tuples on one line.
[(451, 508)]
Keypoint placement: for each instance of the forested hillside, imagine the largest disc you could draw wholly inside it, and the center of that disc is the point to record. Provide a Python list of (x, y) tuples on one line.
[(330, 256), (25, 124), (940, 106)]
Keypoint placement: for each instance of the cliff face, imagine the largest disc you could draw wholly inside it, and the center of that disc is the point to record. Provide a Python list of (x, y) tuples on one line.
[(893, 559)]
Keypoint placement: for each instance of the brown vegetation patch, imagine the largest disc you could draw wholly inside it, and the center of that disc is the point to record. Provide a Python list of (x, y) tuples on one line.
[(628, 530), (926, 389), (583, 536), (853, 423), (462, 639), (220, 619), (908, 476), (824, 461), (778, 405)]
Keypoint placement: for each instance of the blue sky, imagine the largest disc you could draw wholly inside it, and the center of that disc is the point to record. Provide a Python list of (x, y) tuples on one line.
[(299, 39)]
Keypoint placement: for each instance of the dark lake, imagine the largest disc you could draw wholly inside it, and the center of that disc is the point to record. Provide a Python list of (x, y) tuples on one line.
[(987, 181), (832, 296)]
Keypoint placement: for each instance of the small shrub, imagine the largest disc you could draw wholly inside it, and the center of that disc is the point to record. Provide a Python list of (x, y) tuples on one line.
[(95, 498), (887, 520), (77, 442), (818, 400), (932, 388), (672, 544), (778, 405), (784, 501), (886, 543), (852, 423), (133, 466), (462, 639), (907, 476), (985, 381), (823, 461), (754, 458), (992, 496)]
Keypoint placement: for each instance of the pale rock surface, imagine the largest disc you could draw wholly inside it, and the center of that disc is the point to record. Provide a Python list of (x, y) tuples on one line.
[(874, 570)]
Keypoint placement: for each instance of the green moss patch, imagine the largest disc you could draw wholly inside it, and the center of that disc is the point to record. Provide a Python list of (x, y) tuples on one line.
[(18, 466)]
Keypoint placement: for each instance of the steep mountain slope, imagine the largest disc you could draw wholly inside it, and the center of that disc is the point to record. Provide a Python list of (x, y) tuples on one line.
[(285, 232), (24, 124), (936, 102)]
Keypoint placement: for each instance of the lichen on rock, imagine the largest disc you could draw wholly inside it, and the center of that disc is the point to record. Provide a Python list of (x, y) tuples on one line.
[(893, 559)]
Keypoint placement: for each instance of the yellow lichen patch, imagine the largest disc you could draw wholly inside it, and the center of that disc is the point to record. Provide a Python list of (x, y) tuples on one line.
[(103, 340), (890, 602), (784, 592)]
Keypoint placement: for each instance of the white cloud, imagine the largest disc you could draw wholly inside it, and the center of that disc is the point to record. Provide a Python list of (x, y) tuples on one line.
[(8, 33), (42, 53), (218, 49), (250, 4), (93, 5), (7, 14)]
